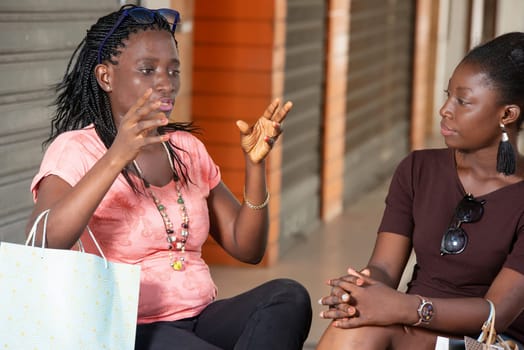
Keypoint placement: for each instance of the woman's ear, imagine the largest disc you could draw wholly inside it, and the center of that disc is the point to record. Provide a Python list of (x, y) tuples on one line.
[(103, 77), (511, 114)]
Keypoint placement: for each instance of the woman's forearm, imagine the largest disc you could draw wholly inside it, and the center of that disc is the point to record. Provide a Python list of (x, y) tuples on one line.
[(252, 224)]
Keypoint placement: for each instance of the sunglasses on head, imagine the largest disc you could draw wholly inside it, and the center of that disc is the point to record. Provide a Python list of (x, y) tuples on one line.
[(141, 15), (455, 239)]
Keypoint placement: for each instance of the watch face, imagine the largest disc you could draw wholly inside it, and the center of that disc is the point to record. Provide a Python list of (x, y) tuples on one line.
[(426, 311)]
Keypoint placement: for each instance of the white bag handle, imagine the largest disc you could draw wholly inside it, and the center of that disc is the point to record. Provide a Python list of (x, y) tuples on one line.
[(489, 335), (32, 235)]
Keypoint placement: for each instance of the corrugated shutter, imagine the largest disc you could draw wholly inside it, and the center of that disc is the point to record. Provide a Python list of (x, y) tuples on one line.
[(378, 91), (304, 75), (38, 37)]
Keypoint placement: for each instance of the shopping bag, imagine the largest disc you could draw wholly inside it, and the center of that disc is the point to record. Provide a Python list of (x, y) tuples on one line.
[(472, 344), (65, 299)]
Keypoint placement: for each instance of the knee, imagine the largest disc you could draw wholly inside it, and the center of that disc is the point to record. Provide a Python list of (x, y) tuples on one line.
[(291, 292), (289, 304)]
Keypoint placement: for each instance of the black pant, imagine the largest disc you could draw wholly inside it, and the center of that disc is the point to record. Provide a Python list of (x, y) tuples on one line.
[(273, 316)]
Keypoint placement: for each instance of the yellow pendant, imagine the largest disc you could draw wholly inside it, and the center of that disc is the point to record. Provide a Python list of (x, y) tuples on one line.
[(177, 265)]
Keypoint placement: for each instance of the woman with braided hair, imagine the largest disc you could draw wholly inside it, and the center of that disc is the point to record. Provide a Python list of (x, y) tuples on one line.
[(461, 209), (150, 192)]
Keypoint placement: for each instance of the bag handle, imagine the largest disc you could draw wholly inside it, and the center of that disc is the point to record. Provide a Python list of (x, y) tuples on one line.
[(489, 335), (44, 215), (488, 328)]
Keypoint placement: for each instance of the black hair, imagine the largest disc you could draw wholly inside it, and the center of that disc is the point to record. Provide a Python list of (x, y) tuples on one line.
[(502, 60), (81, 101)]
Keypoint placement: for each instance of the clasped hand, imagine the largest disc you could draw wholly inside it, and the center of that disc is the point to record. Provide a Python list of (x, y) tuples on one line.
[(358, 300)]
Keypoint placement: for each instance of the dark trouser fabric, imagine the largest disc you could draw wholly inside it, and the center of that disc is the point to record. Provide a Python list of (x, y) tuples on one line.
[(276, 315)]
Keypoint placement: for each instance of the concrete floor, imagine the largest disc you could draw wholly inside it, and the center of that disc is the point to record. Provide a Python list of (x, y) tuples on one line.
[(345, 241)]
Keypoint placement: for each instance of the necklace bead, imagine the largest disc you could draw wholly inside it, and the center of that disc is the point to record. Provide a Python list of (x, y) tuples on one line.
[(177, 262)]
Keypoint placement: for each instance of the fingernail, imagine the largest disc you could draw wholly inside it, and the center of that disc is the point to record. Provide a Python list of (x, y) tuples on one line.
[(345, 297), (320, 301), (321, 314)]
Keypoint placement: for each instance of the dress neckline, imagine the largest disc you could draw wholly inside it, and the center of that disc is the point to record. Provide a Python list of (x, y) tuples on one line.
[(483, 195)]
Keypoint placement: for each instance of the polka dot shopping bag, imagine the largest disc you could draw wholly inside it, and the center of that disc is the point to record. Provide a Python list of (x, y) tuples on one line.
[(65, 299)]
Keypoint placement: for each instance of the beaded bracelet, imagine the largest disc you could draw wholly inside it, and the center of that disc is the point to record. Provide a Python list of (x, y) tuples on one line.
[(256, 207)]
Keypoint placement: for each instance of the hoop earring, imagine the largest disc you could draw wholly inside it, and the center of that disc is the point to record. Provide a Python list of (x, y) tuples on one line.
[(506, 158)]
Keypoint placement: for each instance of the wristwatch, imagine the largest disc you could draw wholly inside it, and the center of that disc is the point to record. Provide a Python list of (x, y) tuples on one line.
[(425, 311)]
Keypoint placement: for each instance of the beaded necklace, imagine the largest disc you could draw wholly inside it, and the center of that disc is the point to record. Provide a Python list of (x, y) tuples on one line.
[(176, 242)]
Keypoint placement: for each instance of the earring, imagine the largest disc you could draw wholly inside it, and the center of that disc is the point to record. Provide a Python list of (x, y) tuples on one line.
[(506, 155)]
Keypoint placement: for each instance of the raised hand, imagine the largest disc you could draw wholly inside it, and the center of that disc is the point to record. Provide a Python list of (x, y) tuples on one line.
[(136, 129), (257, 140)]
